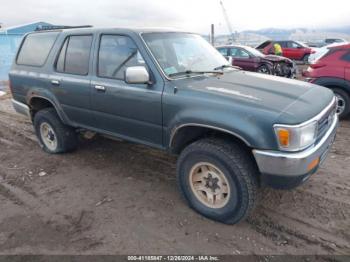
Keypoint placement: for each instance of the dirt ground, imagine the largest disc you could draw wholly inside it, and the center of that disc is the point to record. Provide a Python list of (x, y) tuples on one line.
[(113, 197)]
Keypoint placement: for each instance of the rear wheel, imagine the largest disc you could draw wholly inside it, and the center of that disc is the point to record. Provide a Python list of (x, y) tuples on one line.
[(264, 69), (54, 137), (343, 106), (218, 179)]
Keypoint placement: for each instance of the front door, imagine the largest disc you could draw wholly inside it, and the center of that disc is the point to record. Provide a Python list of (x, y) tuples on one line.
[(294, 51), (242, 58), (130, 111)]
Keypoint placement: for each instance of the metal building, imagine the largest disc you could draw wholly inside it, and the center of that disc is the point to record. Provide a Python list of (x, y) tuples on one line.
[(10, 38)]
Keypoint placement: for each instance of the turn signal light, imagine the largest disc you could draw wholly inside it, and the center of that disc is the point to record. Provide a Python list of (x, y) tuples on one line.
[(284, 136), (313, 164)]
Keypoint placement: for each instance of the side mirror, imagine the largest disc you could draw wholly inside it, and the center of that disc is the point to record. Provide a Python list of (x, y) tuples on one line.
[(137, 75), (230, 60)]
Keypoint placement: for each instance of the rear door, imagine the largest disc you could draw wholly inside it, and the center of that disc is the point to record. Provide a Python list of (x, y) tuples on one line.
[(71, 80), (286, 52), (224, 51), (131, 111)]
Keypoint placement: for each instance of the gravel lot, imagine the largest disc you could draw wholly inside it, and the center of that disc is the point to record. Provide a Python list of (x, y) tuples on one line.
[(113, 197)]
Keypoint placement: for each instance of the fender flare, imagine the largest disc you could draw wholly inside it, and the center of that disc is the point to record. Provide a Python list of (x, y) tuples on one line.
[(330, 82), (42, 95), (175, 130)]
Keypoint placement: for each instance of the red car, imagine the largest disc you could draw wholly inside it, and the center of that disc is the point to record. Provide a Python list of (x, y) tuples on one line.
[(332, 70), (291, 49), (250, 59)]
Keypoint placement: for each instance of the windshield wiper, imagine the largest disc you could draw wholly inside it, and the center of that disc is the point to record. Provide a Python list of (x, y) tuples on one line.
[(226, 66), (190, 72)]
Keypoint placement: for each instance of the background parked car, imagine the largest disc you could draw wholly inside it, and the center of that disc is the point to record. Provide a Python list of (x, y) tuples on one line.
[(332, 70), (290, 49), (319, 52), (251, 59), (335, 40)]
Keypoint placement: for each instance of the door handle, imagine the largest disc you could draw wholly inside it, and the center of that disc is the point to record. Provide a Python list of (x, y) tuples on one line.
[(100, 88), (55, 82)]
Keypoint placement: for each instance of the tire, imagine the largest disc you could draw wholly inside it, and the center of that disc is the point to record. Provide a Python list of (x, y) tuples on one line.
[(54, 137), (343, 107), (306, 59), (264, 69), (239, 170)]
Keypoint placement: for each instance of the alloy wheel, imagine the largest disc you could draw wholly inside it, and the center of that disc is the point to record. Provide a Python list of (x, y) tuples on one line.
[(209, 185), (48, 136), (341, 104)]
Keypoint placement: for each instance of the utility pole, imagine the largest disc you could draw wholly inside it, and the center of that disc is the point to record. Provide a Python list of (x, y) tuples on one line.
[(212, 35)]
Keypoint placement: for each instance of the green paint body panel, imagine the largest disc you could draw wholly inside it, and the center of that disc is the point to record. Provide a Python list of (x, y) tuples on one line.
[(242, 103)]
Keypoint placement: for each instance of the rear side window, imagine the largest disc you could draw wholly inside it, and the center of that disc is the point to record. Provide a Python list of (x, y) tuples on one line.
[(36, 48), (223, 51), (75, 55), (283, 44)]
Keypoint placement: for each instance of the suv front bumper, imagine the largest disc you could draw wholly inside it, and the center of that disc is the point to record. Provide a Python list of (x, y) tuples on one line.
[(287, 170)]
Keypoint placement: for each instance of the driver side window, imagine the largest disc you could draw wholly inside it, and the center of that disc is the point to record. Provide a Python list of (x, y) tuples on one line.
[(293, 45), (115, 54), (239, 53), (234, 52)]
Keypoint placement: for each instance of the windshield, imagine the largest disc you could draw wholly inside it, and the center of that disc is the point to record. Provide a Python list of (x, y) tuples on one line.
[(302, 44), (183, 52), (318, 55), (254, 51)]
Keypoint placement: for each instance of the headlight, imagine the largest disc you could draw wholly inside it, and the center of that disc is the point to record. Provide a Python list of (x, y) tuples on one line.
[(295, 138)]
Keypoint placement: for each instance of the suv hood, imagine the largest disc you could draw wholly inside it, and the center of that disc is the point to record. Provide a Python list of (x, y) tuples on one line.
[(289, 101)]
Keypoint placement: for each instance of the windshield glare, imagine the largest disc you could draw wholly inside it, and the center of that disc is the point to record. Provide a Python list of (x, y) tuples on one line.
[(181, 52)]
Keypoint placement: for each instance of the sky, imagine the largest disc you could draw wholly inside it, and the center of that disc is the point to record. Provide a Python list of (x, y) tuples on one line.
[(189, 15)]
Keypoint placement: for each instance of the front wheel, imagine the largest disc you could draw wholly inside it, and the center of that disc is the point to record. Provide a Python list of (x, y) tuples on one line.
[(264, 69), (218, 179), (343, 105)]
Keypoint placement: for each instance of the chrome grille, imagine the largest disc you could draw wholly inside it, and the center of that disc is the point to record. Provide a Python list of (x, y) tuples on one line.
[(325, 121)]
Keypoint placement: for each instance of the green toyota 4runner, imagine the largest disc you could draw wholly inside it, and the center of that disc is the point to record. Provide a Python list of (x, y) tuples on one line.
[(234, 131)]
